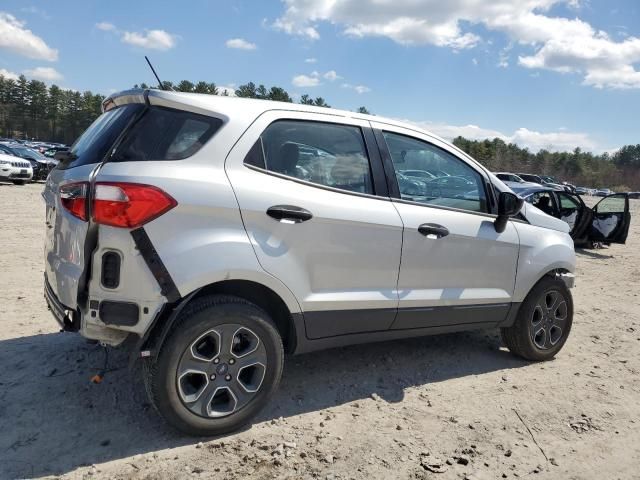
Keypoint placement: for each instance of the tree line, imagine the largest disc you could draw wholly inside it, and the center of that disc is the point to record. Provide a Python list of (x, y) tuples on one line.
[(31, 110), (619, 171)]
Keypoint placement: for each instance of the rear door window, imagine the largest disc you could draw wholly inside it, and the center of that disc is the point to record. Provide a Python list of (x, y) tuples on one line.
[(166, 134), (323, 153), (97, 140)]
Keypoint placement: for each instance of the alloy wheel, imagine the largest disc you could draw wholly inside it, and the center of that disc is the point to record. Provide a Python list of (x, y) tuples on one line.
[(548, 319), (221, 371)]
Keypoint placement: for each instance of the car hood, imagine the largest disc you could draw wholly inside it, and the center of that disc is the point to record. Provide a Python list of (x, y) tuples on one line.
[(520, 184), (537, 217)]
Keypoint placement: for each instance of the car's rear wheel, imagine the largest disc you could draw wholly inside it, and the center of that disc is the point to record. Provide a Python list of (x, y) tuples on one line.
[(219, 366), (543, 323)]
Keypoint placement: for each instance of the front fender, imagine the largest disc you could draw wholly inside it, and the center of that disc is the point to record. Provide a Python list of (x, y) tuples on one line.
[(541, 251)]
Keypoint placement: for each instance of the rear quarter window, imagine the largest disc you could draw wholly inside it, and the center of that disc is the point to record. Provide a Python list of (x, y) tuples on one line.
[(166, 134)]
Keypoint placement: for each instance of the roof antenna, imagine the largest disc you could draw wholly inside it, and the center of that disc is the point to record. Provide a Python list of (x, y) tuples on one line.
[(160, 84)]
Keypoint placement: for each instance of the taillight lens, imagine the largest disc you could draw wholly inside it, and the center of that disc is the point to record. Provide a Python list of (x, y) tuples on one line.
[(129, 205), (74, 198)]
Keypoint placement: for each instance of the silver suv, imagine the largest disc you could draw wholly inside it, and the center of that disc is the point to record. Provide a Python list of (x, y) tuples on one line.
[(213, 235)]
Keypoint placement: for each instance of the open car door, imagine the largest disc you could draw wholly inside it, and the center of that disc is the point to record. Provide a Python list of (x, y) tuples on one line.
[(611, 219), (574, 212)]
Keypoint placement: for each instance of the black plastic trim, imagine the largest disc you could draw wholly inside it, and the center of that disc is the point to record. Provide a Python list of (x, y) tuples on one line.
[(124, 314), (387, 164), (110, 279), (331, 323), (336, 323), (380, 184), (410, 318), (154, 262), (305, 345)]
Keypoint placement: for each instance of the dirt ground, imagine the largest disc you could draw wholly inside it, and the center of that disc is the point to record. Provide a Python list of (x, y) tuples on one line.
[(459, 405)]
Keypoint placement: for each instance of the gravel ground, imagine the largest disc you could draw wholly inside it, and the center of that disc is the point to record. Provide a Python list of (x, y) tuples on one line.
[(447, 407)]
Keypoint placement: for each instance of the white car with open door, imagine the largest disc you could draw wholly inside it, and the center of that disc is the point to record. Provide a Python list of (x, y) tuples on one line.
[(607, 222)]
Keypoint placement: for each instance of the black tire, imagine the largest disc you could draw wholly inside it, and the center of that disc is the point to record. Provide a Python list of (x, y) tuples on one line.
[(521, 338), (210, 314), (18, 182)]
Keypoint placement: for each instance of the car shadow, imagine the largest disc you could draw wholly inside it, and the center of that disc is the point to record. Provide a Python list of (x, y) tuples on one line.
[(54, 420), (592, 254)]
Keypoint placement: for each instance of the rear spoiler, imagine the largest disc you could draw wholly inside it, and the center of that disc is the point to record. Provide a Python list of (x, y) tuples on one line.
[(183, 101), (136, 95)]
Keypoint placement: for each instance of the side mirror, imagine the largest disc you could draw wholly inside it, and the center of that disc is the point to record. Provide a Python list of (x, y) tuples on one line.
[(509, 204)]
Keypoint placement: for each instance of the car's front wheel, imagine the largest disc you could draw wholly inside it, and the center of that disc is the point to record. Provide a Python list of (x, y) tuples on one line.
[(219, 366), (543, 322)]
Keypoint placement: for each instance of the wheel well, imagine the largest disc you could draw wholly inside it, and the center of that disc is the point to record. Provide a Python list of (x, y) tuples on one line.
[(264, 298)]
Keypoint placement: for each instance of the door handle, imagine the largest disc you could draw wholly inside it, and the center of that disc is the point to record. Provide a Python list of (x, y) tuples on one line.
[(289, 213), (433, 229)]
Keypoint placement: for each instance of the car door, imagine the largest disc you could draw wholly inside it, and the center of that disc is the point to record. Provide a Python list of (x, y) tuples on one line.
[(574, 212), (611, 219), (455, 269), (313, 199)]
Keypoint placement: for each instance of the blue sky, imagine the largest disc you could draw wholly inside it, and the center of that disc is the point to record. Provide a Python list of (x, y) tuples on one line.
[(543, 73)]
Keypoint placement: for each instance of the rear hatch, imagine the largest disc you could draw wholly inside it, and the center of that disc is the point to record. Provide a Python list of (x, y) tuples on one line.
[(68, 242)]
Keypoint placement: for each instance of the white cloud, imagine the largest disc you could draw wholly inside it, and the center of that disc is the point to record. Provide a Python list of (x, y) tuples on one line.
[(561, 140), (310, 60), (7, 74), (331, 75), (16, 38), (150, 39), (306, 80), (568, 45), (230, 90), (358, 88), (105, 26), (240, 43), (503, 57), (46, 74)]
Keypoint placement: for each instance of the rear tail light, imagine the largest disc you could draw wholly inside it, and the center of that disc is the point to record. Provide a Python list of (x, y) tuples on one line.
[(126, 205), (74, 198), (129, 205)]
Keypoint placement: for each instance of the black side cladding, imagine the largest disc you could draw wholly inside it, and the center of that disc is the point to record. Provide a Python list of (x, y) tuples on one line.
[(154, 262)]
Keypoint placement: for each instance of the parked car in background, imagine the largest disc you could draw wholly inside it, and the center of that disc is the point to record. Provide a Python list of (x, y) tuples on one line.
[(419, 174), (544, 180), (607, 222), (15, 169), (603, 192), (51, 151), (529, 177), (509, 177), (40, 164), (205, 245), (513, 180)]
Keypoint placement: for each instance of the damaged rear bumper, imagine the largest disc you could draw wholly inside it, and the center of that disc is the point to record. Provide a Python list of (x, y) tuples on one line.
[(66, 317)]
